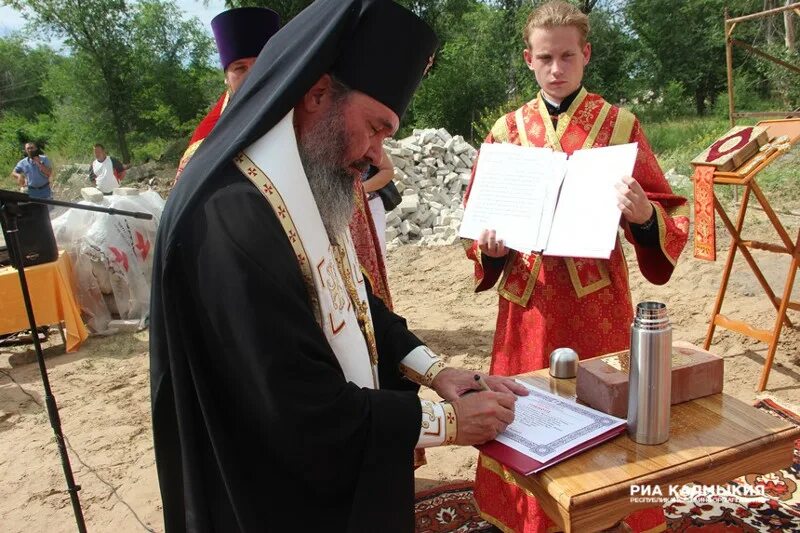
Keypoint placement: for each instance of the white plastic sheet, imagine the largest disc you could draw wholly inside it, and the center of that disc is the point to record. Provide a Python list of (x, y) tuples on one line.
[(112, 257)]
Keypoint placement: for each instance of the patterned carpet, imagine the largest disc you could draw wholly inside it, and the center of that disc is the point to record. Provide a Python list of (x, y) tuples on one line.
[(451, 508)]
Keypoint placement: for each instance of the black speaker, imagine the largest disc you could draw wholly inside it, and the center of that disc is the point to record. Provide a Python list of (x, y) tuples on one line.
[(36, 239)]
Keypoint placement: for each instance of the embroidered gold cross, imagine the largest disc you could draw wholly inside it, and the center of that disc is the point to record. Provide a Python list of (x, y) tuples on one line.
[(361, 307)]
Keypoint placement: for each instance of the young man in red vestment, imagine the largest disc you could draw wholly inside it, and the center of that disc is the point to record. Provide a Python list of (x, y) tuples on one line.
[(551, 302), (240, 34)]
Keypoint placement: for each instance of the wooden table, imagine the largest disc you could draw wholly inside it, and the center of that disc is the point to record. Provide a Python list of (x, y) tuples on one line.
[(53, 298), (712, 441)]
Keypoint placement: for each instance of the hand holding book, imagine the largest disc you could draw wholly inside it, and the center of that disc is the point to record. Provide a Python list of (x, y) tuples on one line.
[(538, 200)]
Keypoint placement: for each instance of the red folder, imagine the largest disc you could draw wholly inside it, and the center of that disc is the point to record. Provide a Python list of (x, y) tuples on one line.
[(526, 465)]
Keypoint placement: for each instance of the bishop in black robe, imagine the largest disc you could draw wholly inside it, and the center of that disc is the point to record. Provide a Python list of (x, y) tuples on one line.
[(255, 427)]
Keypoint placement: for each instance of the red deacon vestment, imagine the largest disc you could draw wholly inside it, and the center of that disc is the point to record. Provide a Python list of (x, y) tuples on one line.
[(368, 247), (551, 302), (201, 132)]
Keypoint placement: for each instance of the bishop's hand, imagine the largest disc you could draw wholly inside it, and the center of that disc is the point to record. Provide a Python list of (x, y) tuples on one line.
[(482, 416), (452, 383)]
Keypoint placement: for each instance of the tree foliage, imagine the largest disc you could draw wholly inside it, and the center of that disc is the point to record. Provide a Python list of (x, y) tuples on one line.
[(132, 69), (685, 43), (137, 74)]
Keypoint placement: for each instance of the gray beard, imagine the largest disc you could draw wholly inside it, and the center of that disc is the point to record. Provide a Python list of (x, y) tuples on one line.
[(321, 150)]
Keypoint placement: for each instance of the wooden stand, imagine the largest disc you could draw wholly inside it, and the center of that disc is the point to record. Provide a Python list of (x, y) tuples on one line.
[(775, 128)]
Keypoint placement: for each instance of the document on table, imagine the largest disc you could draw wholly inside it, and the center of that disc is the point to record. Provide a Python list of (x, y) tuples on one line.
[(548, 429), (538, 200)]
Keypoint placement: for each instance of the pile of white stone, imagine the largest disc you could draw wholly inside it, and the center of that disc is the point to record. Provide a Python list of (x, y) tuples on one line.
[(431, 170)]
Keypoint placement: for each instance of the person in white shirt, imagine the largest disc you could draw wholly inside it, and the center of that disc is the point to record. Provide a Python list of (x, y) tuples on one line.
[(105, 173)]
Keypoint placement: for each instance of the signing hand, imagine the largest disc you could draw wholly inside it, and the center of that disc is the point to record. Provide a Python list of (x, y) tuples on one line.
[(482, 416), (452, 383), (489, 244), (633, 202)]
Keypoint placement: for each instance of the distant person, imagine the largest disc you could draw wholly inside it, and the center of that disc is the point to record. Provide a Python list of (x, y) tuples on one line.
[(380, 177), (34, 171), (105, 172), (240, 34), (550, 302)]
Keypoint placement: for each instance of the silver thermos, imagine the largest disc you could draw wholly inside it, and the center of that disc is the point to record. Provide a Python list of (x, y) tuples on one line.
[(650, 382)]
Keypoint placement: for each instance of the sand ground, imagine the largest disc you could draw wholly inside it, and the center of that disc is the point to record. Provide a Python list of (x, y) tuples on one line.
[(103, 390)]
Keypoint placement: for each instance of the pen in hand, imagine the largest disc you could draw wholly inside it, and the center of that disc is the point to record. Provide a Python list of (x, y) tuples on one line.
[(482, 382)]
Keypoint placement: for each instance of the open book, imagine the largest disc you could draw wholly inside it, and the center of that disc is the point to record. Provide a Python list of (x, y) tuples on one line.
[(539, 200), (548, 429)]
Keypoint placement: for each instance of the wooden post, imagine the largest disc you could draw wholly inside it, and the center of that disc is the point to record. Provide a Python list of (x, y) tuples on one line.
[(785, 303), (729, 27), (729, 61)]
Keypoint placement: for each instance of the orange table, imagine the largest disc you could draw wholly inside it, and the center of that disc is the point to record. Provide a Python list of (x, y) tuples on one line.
[(53, 297)]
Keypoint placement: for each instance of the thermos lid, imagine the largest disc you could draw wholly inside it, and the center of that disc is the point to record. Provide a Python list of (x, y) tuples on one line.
[(563, 363)]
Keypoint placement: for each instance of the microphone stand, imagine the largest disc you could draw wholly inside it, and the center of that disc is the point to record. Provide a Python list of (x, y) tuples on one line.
[(9, 213)]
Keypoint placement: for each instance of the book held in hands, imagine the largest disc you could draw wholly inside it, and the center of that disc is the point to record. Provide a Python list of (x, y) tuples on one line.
[(540, 200)]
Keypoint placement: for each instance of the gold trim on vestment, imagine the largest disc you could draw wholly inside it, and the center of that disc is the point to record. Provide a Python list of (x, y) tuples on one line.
[(677, 211), (268, 190), (554, 135), (533, 275), (598, 123), (500, 130), (662, 233), (521, 130), (190, 150), (361, 307), (428, 418), (498, 469), (582, 290), (623, 127), (451, 424), (495, 522)]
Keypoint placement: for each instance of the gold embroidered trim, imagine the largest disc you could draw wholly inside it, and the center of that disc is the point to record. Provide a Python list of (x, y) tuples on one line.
[(500, 130), (428, 419), (582, 290), (598, 123), (624, 264), (623, 127), (496, 523), (521, 130), (432, 372), (554, 135), (533, 275), (423, 379), (479, 259), (275, 200), (361, 307), (367, 275), (451, 424), (662, 233), (678, 211), (496, 468), (225, 102), (187, 155)]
